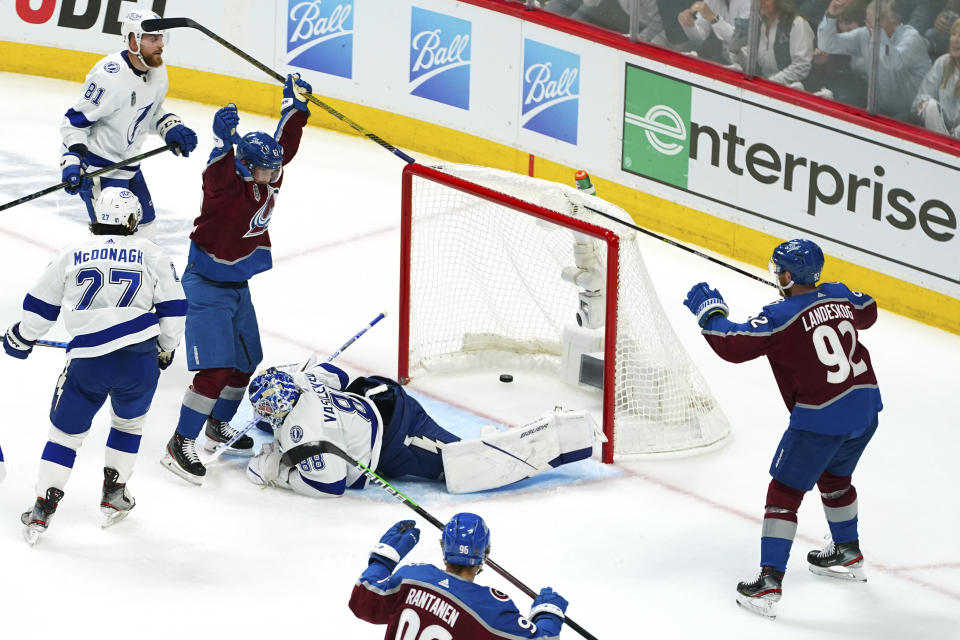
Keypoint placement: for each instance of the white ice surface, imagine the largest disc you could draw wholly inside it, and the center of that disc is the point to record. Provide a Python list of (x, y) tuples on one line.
[(644, 549)]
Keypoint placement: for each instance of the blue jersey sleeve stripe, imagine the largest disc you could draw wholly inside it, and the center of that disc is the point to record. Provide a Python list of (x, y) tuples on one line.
[(171, 308), (337, 371), (43, 309), (110, 334), (77, 119), (335, 487)]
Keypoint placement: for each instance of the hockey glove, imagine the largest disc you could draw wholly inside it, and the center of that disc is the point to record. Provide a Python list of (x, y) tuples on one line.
[(548, 602), (395, 544), (704, 302), (164, 358), (264, 468), (173, 131), (225, 123), (72, 172), (15, 344), (295, 93)]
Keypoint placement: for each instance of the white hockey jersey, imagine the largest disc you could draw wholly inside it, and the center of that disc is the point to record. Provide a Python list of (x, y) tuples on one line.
[(326, 413), (118, 108), (114, 291)]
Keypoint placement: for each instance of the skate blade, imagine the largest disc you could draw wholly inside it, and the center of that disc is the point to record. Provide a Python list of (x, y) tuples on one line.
[(760, 606), (31, 533), (171, 464), (848, 574), (110, 516), (212, 447)]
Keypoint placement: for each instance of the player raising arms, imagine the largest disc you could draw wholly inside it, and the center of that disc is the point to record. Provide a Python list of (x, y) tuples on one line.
[(229, 245), (829, 386), (446, 604), (122, 103), (374, 420), (123, 307)]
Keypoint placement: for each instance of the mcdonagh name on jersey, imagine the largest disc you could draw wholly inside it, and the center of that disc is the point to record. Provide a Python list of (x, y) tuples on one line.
[(133, 256)]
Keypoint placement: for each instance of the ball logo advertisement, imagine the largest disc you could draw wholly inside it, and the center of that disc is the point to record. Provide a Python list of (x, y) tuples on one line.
[(320, 36), (550, 103), (440, 58)]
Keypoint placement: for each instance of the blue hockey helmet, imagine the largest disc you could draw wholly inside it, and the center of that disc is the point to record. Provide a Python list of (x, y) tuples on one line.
[(273, 394), (465, 540), (259, 149), (802, 258)]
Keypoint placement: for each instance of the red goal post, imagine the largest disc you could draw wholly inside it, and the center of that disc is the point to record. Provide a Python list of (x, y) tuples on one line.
[(605, 235)]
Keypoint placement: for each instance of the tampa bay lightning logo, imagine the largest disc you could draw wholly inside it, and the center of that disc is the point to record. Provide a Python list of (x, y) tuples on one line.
[(111, 67), (261, 219), (132, 130), (296, 433)]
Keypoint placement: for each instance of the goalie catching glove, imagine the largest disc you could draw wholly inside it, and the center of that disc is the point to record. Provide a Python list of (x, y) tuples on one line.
[(705, 302)]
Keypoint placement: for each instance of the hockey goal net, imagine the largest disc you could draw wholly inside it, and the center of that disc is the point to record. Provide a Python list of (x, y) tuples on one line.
[(502, 269)]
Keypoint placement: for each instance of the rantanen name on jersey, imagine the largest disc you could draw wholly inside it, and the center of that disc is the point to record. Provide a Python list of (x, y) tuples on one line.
[(112, 253), (434, 604)]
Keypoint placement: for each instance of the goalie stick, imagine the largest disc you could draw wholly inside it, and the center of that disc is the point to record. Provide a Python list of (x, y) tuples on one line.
[(305, 451), (160, 24), (229, 443), (92, 174)]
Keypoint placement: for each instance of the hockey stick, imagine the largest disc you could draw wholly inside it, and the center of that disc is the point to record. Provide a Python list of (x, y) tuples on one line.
[(51, 343), (229, 443), (93, 174), (305, 451), (172, 23)]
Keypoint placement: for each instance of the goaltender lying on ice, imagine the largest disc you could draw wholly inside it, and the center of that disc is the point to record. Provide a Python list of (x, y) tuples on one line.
[(375, 422)]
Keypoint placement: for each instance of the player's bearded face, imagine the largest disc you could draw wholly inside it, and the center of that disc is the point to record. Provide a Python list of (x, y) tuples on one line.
[(151, 48)]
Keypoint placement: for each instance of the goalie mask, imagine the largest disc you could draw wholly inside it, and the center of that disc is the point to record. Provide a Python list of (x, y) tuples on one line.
[(465, 540), (273, 394), (115, 206)]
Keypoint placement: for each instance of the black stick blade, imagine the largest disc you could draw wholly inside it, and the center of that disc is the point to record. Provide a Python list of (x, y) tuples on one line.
[(159, 24)]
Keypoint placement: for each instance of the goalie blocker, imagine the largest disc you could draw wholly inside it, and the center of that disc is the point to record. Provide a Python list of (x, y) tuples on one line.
[(374, 421)]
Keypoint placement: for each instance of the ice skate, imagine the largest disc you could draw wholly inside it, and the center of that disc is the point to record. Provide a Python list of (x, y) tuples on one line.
[(762, 595), (181, 458), (841, 560), (117, 501), (219, 433), (37, 519)]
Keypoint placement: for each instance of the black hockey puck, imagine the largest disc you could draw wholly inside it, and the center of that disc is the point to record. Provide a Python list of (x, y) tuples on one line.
[(506, 377)]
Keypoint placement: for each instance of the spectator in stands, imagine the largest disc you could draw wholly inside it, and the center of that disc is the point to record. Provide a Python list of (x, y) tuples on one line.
[(614, 15), (937, 104), (812, 10), (716, 27), (903, 53), (938, 35), (833, 76), (785, 47), (920, 14)]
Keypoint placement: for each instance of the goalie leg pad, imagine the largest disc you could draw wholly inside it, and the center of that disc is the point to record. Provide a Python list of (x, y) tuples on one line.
[(505, 457)]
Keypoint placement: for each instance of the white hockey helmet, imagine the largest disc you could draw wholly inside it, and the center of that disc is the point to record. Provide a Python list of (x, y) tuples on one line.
[(115, 206), (131, 24)]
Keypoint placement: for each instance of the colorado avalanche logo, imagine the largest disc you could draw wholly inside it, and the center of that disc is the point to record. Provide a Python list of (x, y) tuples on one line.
[(296, 433), (499, 595), (261, 220)]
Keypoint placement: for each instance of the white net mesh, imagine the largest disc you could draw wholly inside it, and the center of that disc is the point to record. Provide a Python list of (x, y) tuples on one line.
[(485, 289)]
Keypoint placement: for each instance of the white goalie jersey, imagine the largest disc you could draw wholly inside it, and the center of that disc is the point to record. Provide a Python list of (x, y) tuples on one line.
[(118, 108), (325, 412)]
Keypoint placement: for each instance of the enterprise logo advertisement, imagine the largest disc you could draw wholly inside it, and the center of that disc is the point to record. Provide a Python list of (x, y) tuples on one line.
[(320, 36), (440, 58), (551, 91)]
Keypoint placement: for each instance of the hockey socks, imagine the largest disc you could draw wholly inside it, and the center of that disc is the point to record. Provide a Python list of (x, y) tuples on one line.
[(200, 399), (779, 525), (839, 499), (231, 396)]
